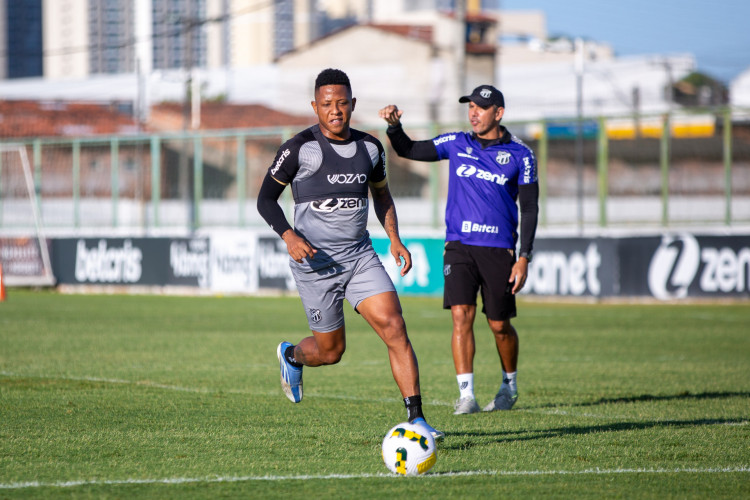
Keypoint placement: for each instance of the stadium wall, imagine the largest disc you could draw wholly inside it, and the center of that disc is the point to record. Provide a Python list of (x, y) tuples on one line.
[(670, 266)]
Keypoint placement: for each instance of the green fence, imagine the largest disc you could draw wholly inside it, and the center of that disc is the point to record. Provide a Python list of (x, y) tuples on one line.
[(662, 170)]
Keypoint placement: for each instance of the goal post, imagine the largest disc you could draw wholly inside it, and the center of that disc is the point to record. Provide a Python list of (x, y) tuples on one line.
[(24, 250)]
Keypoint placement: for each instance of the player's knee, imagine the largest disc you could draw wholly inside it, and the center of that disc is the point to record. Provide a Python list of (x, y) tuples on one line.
[(462, 314), (331, 356), (395, 325), (393, 330), (502, 328)]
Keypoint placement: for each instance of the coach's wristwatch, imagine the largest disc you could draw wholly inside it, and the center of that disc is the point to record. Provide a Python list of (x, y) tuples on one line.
[(526, 255)]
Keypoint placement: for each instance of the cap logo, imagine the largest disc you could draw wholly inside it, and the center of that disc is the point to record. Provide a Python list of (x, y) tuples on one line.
[(486, 93)]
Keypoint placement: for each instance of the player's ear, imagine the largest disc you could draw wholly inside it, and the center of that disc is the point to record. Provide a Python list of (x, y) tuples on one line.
[(499, 112), (354, 102), (314, 105)]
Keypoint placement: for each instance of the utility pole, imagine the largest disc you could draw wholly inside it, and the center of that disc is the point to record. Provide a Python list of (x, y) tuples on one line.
[(460, 44), (637, 111), (579, 59), (186, 179)]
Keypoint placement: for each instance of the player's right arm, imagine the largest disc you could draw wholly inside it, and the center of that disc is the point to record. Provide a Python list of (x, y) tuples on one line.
[(402, 143), (283, 168)]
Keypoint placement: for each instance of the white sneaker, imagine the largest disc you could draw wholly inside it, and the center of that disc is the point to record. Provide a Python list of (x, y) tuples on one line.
[(465, 406), (504, 400), (436, 434)]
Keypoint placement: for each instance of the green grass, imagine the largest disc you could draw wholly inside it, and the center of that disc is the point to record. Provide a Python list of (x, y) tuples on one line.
[(178, 397)]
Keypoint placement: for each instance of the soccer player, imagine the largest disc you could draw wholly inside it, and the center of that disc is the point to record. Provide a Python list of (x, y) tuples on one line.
[(490, 170), (330, 167)]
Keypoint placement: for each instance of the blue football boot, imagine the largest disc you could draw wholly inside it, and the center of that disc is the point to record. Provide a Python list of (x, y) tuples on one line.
[(291, 376)]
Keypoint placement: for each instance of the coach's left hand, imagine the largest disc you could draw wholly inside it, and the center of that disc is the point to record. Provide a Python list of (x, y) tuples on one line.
[(518, 274)]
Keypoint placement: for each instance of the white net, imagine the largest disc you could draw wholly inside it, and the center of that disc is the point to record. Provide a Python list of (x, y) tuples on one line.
[(24, 250)]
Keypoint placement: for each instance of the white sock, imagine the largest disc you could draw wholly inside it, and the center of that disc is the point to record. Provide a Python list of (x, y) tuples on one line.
[(465, 385), (509, 379)]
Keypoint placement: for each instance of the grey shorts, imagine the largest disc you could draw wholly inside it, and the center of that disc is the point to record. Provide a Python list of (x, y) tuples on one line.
[(323, 291)]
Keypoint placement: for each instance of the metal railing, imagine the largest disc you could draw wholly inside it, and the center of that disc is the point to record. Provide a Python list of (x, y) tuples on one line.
[(666, 170)]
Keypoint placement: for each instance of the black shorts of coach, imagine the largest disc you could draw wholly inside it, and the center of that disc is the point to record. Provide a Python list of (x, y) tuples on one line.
[(469, 269)]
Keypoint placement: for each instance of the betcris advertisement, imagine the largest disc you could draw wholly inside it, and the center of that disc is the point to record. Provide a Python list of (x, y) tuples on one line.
[(132, 261)]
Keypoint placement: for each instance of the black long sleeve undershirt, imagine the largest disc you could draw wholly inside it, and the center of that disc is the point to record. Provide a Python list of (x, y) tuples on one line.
[(407, 148), (528, 201), (268, 205)]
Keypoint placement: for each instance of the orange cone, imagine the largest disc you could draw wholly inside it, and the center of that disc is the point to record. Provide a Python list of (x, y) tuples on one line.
[(2, 284)]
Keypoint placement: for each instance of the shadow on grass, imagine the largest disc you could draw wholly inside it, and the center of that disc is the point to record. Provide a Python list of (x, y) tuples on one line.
[(578, 430), (526, 435), (649, 397)]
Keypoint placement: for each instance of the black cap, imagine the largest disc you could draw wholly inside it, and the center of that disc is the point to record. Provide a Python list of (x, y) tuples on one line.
[(485, 96)]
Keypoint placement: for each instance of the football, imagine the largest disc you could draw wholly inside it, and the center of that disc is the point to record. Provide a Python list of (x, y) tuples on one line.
[(409, 449)]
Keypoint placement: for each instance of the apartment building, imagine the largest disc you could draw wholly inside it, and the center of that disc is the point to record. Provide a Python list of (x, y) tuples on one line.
[(66, 39), (20, 39)]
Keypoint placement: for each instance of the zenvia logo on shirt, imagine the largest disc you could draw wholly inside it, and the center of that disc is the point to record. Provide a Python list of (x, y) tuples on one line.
[(332, 204), (472, 227)]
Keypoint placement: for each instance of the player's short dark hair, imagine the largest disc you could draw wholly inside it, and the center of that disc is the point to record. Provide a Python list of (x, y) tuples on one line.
[(332, 76)]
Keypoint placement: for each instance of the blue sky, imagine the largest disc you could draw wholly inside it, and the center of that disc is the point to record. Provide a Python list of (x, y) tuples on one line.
[(716, 32)]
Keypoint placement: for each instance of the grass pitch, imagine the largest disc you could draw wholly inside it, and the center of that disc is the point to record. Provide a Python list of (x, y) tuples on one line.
[(179, 397)]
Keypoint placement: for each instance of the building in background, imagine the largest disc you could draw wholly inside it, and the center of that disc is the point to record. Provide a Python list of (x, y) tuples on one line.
[(93, 37), (420, 54), (252, 64), (20, 39), (178, 34), (65, 30), (261, 31), (63, 39)]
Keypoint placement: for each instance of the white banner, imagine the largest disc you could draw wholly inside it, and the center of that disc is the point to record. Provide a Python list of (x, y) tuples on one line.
[(233, 262)]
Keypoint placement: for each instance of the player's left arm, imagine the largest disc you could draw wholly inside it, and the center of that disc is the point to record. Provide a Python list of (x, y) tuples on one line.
[(385, 210), (528, 201)]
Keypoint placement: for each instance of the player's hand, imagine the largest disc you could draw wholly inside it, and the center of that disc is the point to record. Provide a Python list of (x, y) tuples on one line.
[(391, 114), (399, 251), (518, 275), (298, 247)]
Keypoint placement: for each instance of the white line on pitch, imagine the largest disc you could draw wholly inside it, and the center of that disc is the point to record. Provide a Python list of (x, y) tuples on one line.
[(241, 479)]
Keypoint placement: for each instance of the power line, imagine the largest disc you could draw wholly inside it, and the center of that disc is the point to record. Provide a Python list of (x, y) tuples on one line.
[(185, 25)]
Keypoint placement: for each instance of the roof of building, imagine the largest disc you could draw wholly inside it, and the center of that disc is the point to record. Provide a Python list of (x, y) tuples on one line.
[(415, 32), (30, 118), (219, 115), (60, 118), (412, 31)]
